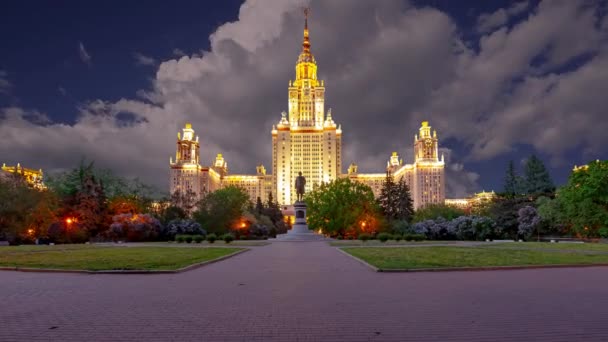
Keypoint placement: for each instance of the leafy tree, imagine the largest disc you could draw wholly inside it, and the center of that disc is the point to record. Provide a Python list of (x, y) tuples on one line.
[(538, 180), (187, 200), (505, 212), (25, 213), (552, 215), (340, 206), (513, 182), (220, 211), (170, 213), (528, 221), (395, 200), (433, 211), (584, 200)]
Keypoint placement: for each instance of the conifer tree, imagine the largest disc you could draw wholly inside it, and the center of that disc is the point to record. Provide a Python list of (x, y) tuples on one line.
[(259, 207), (405, 204), (388, 197), (513, 182), (538, 180)]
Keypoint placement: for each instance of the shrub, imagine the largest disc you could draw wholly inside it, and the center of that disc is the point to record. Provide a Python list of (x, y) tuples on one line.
[(414, 237), (211, 238), (397, 237), (188, 238), (134, 227), (401, 227), (603, 232), (228, 238), (383, 237), (339, 237), (199, 238), (180, 238), (183, 226), (243, 237), (273, 232), (438, 229), (364, 237)]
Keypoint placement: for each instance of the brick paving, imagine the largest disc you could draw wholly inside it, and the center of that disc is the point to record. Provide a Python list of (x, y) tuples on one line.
[(295, 291)]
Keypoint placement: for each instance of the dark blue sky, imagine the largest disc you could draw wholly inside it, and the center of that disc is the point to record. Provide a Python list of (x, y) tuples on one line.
[(41, 60)]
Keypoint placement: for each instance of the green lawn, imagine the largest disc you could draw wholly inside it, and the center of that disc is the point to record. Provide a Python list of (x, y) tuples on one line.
[(95, 258), (441, 257), (371, 243), (594, 247)]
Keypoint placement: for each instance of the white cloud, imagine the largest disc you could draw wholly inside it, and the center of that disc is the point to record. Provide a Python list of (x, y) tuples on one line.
[(141, 59), (487, 22), (386, 65), (85, 57), (178, 52)]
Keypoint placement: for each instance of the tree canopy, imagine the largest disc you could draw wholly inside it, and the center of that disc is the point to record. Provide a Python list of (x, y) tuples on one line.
[(342, 206), (584, 200), (219, 211)]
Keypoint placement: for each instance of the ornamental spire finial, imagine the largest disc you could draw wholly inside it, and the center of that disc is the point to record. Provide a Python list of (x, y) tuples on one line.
[(306, 42)]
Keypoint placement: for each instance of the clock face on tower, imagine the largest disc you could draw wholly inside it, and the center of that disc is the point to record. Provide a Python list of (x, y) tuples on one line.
[(428, 142)]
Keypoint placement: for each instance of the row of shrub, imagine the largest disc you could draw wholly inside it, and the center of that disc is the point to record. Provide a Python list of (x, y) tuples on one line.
[(211, 238), (383, 237)]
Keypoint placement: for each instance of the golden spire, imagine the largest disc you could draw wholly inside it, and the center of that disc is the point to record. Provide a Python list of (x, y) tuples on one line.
[(306, 42)]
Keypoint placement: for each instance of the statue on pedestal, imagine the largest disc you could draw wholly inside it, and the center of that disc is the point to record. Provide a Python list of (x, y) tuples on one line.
[(300, 185)]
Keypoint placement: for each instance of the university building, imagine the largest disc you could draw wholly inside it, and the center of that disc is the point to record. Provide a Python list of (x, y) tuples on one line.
[(307, 139)]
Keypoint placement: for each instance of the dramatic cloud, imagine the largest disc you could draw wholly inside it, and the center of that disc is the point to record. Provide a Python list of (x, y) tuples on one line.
[(85, 57), (178, 52), (532, 79), (143, 60), (5, 85), (489, 21)]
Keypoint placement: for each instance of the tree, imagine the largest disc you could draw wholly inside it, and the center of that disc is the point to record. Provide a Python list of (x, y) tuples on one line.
[(537, 181), (187, 200), (259, 207), (405, 204), (584, 200), (433, 211), (552, 215), (25, 213), (342, 206), (528, 221), (220, 211), (395, 200), (513, 182), (505, 212)]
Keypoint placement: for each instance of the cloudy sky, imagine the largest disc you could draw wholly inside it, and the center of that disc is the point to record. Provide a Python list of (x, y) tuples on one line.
[(114, 81)]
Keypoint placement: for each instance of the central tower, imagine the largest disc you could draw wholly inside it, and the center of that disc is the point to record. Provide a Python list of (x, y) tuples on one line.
[(307, 141)]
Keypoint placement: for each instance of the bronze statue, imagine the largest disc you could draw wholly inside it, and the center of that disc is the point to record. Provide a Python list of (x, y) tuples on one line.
[(300, 184)]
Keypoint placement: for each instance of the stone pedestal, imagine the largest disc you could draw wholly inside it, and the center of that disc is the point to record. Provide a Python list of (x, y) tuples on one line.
[(300, 231)]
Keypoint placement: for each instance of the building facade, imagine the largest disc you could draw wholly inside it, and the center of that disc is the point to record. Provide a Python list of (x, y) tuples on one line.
[(306, 139), (425, 176), (33, 177), (187, 175)]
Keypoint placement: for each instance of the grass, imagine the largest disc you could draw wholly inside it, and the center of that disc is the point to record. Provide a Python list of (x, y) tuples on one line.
[(348, 243), (591, 247), (96, 258), (449, 257)]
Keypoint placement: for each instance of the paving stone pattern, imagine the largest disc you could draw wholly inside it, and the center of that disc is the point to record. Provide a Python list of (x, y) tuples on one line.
[(306, 291)]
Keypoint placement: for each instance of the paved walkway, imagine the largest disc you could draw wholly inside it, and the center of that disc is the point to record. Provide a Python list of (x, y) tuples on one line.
[(305, 292)]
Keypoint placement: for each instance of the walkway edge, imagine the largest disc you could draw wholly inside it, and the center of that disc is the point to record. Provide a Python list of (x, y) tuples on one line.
[(374, 268), (179, 270)]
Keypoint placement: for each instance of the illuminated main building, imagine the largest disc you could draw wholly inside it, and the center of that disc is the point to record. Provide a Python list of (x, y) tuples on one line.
[(307, 140)]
